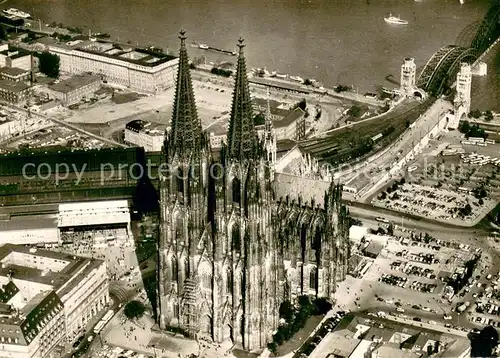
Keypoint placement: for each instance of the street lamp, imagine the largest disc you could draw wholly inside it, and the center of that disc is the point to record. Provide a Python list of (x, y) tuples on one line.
[(154, 350)]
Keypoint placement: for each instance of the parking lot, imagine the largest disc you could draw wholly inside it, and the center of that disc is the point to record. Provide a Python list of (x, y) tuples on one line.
[(415, 268), (446, 188)]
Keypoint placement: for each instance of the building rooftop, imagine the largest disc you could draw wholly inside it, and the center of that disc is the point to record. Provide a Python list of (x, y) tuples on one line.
[(24, 326), (126, 53), (8, 291), (279, 84), (151, 128), (46, 40), (30, 222), (295, 186), (260, 104), (13, 86), (289, 118), (391, 337), (58, 271), (15, 52), (74, 83), (13, 71)]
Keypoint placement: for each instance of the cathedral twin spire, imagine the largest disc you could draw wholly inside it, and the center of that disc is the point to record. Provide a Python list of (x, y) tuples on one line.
[(186, 133), (242, 138), (184, 139)]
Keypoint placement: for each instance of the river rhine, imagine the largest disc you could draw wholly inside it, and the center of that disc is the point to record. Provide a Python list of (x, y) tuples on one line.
[(333, 41)]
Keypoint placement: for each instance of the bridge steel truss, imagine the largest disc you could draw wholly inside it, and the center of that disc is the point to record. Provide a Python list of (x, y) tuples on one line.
[(489, 30), (446, 61), (431, 65), (443, 66)]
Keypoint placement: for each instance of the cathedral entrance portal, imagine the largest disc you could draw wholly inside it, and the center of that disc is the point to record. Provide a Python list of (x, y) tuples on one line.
[(227, 333), (205, 325)]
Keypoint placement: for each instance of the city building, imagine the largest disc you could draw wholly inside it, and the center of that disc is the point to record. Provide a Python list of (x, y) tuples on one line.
[(278, 110), (292, 126), (74, 89), (47, 299), (358, 335), (14, 74), (110, 217), (144, 134), (138, 69), (11, 56), (289, 125), (13, 92), (230, 250), (29, 230)]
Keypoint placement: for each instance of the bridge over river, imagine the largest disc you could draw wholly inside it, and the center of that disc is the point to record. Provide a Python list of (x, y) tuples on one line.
[(355, 142)]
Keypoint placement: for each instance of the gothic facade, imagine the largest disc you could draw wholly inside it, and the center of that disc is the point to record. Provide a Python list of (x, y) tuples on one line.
[(230, 251)]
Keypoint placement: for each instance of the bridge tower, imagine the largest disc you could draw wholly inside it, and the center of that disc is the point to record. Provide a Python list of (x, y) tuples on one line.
[(408, 77), (462, 98)]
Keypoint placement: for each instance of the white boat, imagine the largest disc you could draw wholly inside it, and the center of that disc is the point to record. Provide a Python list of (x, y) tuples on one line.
[(203, 46), (279, 75), (15, 12), (395, 20)]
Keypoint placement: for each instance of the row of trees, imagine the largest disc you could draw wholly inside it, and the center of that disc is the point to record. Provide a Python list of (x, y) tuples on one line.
[(477, 113), (296, 317), (221, 72)]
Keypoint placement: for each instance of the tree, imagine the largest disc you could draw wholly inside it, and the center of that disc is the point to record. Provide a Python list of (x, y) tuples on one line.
[(482, 344), (286, 311), (481, 202), (308, 82), (475, 113), (272, 346), (488, 116), (322, 305), (464, 127), (355, 111), (49, 64), (134, 309)]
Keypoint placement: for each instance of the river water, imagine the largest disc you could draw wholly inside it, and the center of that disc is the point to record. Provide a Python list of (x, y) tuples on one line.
[(333, 41)]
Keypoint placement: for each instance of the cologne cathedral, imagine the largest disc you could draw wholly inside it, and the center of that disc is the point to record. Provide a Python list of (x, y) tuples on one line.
[(230, 251)]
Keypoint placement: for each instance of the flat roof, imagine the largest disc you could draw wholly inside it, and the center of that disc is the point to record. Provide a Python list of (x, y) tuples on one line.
[(279, 85), (71, 271), (13, 71), (31, 222), (138, 56), (15, 52), (91, 205), (94, 213), (289, 119), (296, 186), (74, 83), (13, 86), (75, 266), (151, 128)]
